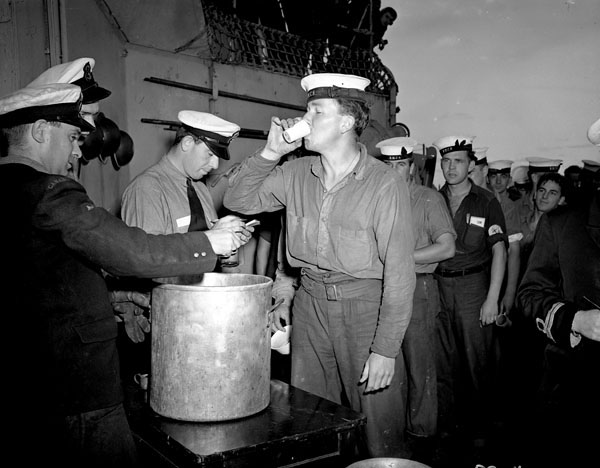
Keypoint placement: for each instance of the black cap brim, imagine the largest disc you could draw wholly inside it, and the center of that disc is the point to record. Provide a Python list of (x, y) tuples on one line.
[(64, 112), (543, 169), (77, 121), (94, 94), (220, 150), (90, 90)]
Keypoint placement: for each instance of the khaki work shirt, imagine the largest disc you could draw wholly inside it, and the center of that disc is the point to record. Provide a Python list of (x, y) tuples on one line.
[(361, 227)]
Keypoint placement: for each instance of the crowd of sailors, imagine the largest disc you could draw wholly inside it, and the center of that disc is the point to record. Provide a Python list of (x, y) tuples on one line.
[(463, 322)]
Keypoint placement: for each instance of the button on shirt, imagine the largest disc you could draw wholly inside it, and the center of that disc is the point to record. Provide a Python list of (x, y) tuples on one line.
[(479, 224), (361, 227)]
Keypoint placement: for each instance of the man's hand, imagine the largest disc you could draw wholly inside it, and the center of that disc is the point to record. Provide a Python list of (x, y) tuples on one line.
[(378, 372), (136, 323), (276, 146), (488, 312), (231, 222), (138, 298), (129, 307), (228, 233), (280, 317), (587, 323), (507, 304)]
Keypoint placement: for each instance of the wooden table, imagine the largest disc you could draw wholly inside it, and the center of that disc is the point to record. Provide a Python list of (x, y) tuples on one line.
[(296, 429)]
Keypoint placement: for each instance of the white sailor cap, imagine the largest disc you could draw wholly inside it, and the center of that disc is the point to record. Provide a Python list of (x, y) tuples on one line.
[(543, 164), (214, 131), (593, 133), (57, 102), (480, 155), (335, 85), (520, 175), (78, 72), (395, 149), (449, 144), (501, 166), (590, 165)]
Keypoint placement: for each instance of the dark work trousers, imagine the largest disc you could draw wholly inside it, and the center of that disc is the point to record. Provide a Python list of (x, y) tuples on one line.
[(465, 356), (99, 438), (334, 322), (418, 349)]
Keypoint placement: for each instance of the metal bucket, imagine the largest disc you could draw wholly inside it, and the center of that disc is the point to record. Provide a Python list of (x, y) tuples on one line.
[(387, 463), (211, 353)]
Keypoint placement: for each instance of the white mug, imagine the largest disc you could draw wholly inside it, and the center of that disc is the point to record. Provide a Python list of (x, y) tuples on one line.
[(280, 340), (299, 130), (141, 380)]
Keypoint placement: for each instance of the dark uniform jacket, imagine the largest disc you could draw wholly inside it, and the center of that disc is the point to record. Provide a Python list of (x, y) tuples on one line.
[(60, 333), (564, 270)]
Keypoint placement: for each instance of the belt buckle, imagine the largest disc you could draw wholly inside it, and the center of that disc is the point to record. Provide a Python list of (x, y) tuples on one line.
[(333, 294)]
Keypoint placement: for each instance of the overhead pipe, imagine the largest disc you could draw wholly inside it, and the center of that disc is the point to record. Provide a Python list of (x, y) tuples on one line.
[(241, 97), (244, 132)]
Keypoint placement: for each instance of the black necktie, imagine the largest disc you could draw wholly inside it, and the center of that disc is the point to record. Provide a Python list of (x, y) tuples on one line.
[(197, 220)]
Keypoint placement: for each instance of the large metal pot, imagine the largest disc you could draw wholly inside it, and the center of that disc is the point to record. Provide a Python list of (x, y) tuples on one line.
[(387, 463), (211, 353)]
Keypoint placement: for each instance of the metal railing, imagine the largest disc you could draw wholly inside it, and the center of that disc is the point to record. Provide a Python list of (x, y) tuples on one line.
[(236, 41)]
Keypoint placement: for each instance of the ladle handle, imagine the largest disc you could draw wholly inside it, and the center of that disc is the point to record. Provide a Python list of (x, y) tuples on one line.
[(277, 304)]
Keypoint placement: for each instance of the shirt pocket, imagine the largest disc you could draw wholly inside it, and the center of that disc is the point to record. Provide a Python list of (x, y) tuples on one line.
[(298, 237), (354, 250), (98, 331), (474, 236)]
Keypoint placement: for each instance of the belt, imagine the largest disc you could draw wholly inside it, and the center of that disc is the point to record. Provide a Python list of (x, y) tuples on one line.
[(467, 271), (325, 287), (423, 274)]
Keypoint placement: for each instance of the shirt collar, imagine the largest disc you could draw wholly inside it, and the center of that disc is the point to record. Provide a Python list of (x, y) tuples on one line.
[(358, 171), (501, 196), (474, 190), (171, 171)]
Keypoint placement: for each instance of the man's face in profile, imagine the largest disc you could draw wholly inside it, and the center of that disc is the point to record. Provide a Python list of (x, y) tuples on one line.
[(387, 19)]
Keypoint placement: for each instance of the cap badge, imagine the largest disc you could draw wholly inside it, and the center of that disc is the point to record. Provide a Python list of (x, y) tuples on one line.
[(87, 72), (459, 145)]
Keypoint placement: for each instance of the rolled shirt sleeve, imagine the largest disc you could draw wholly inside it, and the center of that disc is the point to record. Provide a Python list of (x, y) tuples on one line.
[(496, 224)]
